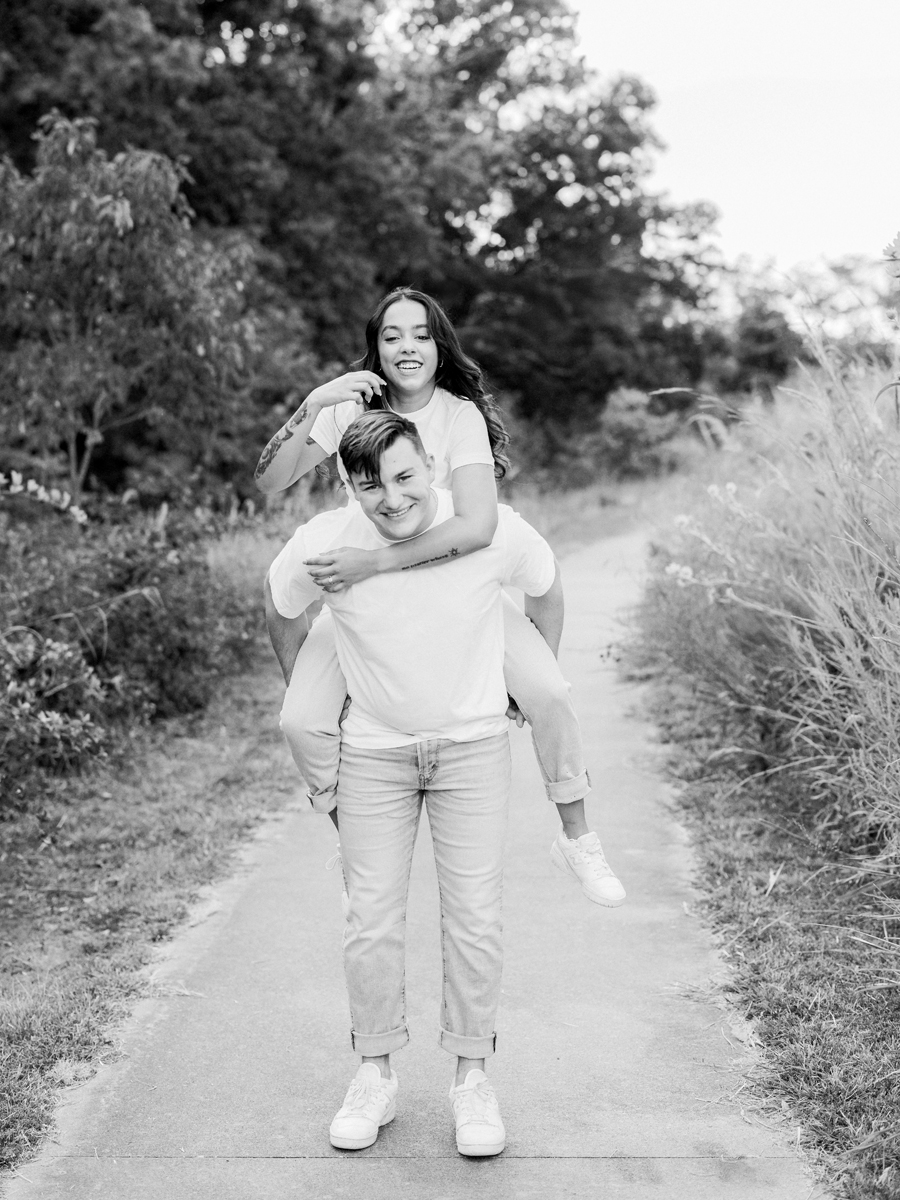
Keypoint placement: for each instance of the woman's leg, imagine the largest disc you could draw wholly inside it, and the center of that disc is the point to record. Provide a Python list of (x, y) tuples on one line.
[(536, 683), (311, 713)]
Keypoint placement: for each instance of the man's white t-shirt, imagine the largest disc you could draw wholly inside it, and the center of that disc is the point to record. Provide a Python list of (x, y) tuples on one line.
[(421, 650), (451, 429)]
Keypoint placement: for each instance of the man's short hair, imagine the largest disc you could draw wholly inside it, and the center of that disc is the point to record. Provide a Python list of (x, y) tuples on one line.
[(369, 436)]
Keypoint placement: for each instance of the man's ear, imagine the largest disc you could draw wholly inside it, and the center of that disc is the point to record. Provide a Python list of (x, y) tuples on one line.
[(429, 467)]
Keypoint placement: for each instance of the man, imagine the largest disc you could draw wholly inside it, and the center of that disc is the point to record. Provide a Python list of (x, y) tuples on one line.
[(422, 653)]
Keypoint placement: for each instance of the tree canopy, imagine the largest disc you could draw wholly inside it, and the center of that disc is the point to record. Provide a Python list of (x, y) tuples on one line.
[(327, 150)]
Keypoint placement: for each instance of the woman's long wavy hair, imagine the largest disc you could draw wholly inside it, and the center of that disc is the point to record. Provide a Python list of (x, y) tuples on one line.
[(456, 373)]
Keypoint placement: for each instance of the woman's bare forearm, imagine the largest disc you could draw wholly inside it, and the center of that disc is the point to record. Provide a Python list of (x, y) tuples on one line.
[(453, 538), (290, 453)]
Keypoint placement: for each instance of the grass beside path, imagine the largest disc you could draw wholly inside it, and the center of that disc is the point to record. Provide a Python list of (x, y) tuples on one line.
[(808, 937)]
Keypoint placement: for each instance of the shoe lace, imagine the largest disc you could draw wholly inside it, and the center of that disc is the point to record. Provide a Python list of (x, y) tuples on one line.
[(593, 857), (472, 1103), (361, 1091)]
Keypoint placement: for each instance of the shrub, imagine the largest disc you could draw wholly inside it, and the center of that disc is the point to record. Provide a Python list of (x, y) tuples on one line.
[(117, 621), (633, 439)]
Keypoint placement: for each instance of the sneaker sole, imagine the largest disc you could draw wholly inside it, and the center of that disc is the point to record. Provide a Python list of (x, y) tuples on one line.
[(340, 1143), (559, 860), (480, 1151)]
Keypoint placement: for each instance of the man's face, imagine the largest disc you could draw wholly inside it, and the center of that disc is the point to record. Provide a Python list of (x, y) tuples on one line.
[(400, 503)]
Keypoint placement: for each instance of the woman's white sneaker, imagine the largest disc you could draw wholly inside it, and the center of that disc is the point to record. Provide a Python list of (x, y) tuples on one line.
[(479, 1129), (371, 1102), (583, 858)]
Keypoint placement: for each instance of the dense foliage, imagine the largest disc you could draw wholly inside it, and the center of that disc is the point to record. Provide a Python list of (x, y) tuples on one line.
[(328, 152)]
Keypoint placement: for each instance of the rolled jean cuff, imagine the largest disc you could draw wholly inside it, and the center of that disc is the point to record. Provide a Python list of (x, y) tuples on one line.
[(567, 791), (324, 801), (468, 1047), (373, 1045)]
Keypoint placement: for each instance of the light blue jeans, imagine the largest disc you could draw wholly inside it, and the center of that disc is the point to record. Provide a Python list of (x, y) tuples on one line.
[(465, 787), (315, 697)]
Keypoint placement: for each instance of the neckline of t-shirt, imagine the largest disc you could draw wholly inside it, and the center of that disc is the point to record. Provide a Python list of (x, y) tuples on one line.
[(418, 412)]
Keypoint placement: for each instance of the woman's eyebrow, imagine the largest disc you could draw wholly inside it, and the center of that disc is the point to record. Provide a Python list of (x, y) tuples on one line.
[(396, 328)]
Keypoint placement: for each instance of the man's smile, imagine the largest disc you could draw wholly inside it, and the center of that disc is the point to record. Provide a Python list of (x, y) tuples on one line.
[(397, 513)]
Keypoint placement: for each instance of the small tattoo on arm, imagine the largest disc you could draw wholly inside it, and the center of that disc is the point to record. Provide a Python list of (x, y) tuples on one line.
[(452, 553)]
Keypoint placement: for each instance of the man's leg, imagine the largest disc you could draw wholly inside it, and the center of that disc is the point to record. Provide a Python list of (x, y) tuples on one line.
[(468, 798), (378, 803), (536, 683)]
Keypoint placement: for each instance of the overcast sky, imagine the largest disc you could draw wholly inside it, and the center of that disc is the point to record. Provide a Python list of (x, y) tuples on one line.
[(784, 113)]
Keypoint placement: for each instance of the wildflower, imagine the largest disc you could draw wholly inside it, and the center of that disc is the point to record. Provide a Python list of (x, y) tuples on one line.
[(682, 574)]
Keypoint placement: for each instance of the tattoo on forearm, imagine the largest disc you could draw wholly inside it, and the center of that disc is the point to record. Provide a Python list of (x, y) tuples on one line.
[(283, 435), (452, 553)]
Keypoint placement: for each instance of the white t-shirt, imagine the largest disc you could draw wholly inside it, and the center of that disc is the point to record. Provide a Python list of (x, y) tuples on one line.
[(422, 650), (451, 429)]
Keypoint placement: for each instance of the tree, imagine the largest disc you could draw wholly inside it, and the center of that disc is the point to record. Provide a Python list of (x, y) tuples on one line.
[(112, 315), (574, 304), (765, 346)]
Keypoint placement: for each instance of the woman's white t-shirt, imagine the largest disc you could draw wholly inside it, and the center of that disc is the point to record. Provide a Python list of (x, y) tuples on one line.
[(452, 430)]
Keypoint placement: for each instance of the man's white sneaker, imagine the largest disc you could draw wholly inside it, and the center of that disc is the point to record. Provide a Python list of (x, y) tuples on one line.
[(479, 1129), (583, 858), (371, 1102)]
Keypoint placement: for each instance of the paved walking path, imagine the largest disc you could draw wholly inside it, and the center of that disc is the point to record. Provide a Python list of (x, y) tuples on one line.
[(614, 1079)]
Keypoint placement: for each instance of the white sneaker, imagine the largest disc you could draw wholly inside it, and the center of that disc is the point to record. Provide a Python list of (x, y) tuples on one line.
[(583, 858), (337, 861), (479, 1129), (371, 1102)]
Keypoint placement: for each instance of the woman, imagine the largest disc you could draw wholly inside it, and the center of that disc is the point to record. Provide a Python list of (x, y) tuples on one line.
[(414, 365)]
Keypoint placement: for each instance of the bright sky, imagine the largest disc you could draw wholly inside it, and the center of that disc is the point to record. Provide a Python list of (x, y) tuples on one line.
[(784, 113)]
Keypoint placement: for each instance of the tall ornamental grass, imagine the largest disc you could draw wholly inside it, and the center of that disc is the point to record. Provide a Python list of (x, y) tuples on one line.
[(778, 592)]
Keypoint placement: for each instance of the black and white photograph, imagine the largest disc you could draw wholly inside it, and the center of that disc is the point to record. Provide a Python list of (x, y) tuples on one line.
[(449, 600)]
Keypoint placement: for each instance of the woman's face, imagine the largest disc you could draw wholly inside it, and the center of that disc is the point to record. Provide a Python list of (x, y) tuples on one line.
[(408, 352)]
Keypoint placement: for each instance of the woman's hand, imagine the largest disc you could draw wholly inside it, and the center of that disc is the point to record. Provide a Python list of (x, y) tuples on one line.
[(514, 712), (358, 386), (340, 569)]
